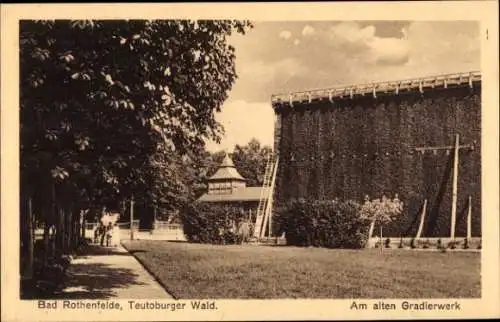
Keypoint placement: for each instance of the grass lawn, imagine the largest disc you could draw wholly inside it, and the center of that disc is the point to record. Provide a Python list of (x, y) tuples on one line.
[(262, 272)]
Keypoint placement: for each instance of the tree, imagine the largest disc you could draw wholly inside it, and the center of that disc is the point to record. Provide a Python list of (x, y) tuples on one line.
[(383, 210), (116, 92), (250, 160), (109, 107)]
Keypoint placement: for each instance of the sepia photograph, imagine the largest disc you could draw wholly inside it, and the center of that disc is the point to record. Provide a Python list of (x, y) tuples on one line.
[(123, 159), (168, 164)]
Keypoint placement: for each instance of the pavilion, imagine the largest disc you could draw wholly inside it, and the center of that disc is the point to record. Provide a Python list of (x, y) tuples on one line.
[(228, 187)]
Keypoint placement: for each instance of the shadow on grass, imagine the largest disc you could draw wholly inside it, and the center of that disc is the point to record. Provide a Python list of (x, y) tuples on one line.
[(135, 251), (276, 245), (96, 281), (97, 250)]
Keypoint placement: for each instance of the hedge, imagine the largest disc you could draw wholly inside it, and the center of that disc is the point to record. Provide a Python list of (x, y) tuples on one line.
[(214, 224), (322, 223)]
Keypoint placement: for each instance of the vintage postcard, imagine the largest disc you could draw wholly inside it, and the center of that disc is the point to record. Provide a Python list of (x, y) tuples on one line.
[(250, 161)]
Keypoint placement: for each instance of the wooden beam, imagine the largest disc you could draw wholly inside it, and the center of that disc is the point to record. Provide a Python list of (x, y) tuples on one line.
[(444, 147), (454, 191), (279, 100), (369, 243), (422, 218)]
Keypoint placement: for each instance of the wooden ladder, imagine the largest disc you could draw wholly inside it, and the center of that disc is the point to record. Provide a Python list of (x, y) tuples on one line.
[(264, 208)]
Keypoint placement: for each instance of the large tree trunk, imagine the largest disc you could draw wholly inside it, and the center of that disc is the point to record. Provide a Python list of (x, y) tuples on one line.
[(53, 222), (30, 239), (26, 245), (59, 230), (69, 229), (76, 226), (46, 237)]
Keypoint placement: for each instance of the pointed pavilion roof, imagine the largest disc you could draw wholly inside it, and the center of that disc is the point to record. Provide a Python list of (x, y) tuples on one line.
[(227, 171)]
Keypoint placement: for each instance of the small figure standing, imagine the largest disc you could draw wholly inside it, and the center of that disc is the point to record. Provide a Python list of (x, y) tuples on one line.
[(102, 233), (109, 234), (96, 233)]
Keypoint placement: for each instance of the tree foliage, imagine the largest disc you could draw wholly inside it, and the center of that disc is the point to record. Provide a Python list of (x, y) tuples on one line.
[(383, 210), (110, 107), (250, 160)]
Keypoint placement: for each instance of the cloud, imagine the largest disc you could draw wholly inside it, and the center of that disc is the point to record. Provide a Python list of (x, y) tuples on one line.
[(339, 54), (390, 51), (362, 42), (243, 121), (342, 53), (352, 32), (260, 71), (308, 31), (444, 47), (285, 34)]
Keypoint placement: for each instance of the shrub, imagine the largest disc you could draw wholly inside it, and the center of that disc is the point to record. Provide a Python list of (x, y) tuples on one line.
[(323, 223), (212, 223), (388, 243), (439, 244), (452, 244), (231, 238), (427, 244)]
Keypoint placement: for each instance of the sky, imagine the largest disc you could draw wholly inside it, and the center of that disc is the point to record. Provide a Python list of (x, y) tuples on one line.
[(284, 57)]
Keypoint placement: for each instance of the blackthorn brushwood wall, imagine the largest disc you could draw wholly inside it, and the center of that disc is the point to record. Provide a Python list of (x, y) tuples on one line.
[(351, 142)]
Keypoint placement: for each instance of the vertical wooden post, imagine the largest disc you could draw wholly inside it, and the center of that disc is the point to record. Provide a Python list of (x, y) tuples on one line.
[(370, 233), (422, 218), (82, 223), (132, 218), (454, 193), (469, 219), (270, 222)]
